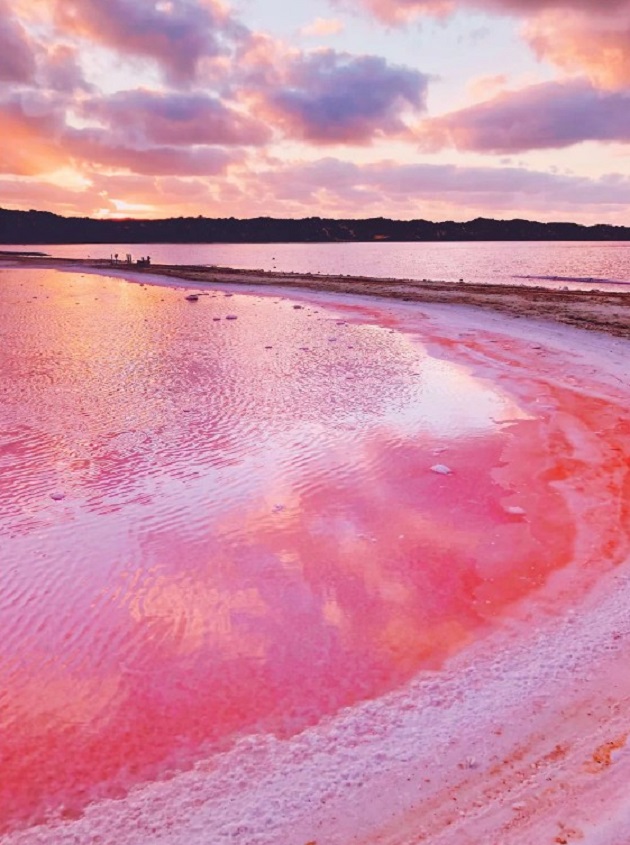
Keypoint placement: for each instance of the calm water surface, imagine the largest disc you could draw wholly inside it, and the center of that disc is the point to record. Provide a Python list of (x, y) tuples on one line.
[(558, 264), (220, 518)]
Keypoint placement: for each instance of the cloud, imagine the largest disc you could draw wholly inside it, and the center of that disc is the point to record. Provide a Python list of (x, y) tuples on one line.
[(487, 86), (34, 126), (17, 57), (342, 188), (386, 178), (328, 97), (550, 115), (322, 27), (177, 34), (152, 117), (399, 11), (97, 149), (41, 143), (62, 70), (327, 186), (586, 36), (596, 44), (41, 194)]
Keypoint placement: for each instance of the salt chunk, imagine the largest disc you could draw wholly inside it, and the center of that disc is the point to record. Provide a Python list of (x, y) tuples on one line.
[(514, 510), (441, 469)]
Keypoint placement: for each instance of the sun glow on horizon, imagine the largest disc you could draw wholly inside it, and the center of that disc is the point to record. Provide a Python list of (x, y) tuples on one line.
[(197, 107)]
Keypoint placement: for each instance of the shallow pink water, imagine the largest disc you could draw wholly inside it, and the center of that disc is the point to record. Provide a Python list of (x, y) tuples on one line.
[(214, 527)]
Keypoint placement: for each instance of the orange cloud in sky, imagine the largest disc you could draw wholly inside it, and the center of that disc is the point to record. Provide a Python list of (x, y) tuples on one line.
[(401, 11), (598, 45), (30, 143), (487, 86), (322, 26)]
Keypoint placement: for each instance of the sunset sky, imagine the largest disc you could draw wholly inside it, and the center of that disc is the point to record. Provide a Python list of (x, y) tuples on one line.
[(442, 109)]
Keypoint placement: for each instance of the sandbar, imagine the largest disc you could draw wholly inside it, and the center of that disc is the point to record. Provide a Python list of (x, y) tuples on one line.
[(594, 310)]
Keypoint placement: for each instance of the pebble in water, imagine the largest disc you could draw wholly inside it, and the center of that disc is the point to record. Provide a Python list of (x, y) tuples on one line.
[(231, 317), (57, 495), (192, 297), (441, 469)]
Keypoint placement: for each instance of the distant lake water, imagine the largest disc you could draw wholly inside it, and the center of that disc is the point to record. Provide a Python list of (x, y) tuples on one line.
[(576, 265)]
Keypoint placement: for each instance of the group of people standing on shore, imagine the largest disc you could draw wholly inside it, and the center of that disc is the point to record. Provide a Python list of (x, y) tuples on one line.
[(142, 262)]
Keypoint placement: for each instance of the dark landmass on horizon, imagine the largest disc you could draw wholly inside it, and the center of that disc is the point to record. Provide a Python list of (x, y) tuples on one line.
[(43, 227)]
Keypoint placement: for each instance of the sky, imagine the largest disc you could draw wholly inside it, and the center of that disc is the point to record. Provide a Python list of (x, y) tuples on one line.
[(435, 109)]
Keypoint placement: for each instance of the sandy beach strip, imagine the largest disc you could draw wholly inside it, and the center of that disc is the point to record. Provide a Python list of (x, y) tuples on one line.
[(593, 310)]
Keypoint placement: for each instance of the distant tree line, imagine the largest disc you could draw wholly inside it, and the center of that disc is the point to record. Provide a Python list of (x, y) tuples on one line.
[(42, 227)]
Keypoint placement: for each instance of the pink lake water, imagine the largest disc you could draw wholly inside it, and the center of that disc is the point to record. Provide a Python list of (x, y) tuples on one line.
[(555, 264), (225, 519)]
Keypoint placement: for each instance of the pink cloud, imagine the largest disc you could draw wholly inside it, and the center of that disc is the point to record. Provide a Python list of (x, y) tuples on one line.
[(62, 71), (550, 115), (487, 86), (329, 98), (94, 148), (398, 11), (322, 27), (17, 55), (41, 143), (34, 126), (177, 34), (150, 117), (597, 44), (35, 193), (387, 180), (340, 188)]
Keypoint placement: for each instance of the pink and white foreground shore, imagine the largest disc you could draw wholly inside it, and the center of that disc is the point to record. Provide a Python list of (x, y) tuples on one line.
[(288, 566)]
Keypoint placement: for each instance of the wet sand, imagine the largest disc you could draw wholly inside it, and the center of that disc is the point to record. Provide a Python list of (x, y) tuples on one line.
[(592, 310), (524, 739)]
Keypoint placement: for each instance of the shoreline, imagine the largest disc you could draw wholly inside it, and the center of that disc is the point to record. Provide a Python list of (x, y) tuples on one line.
[(593, 310)]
